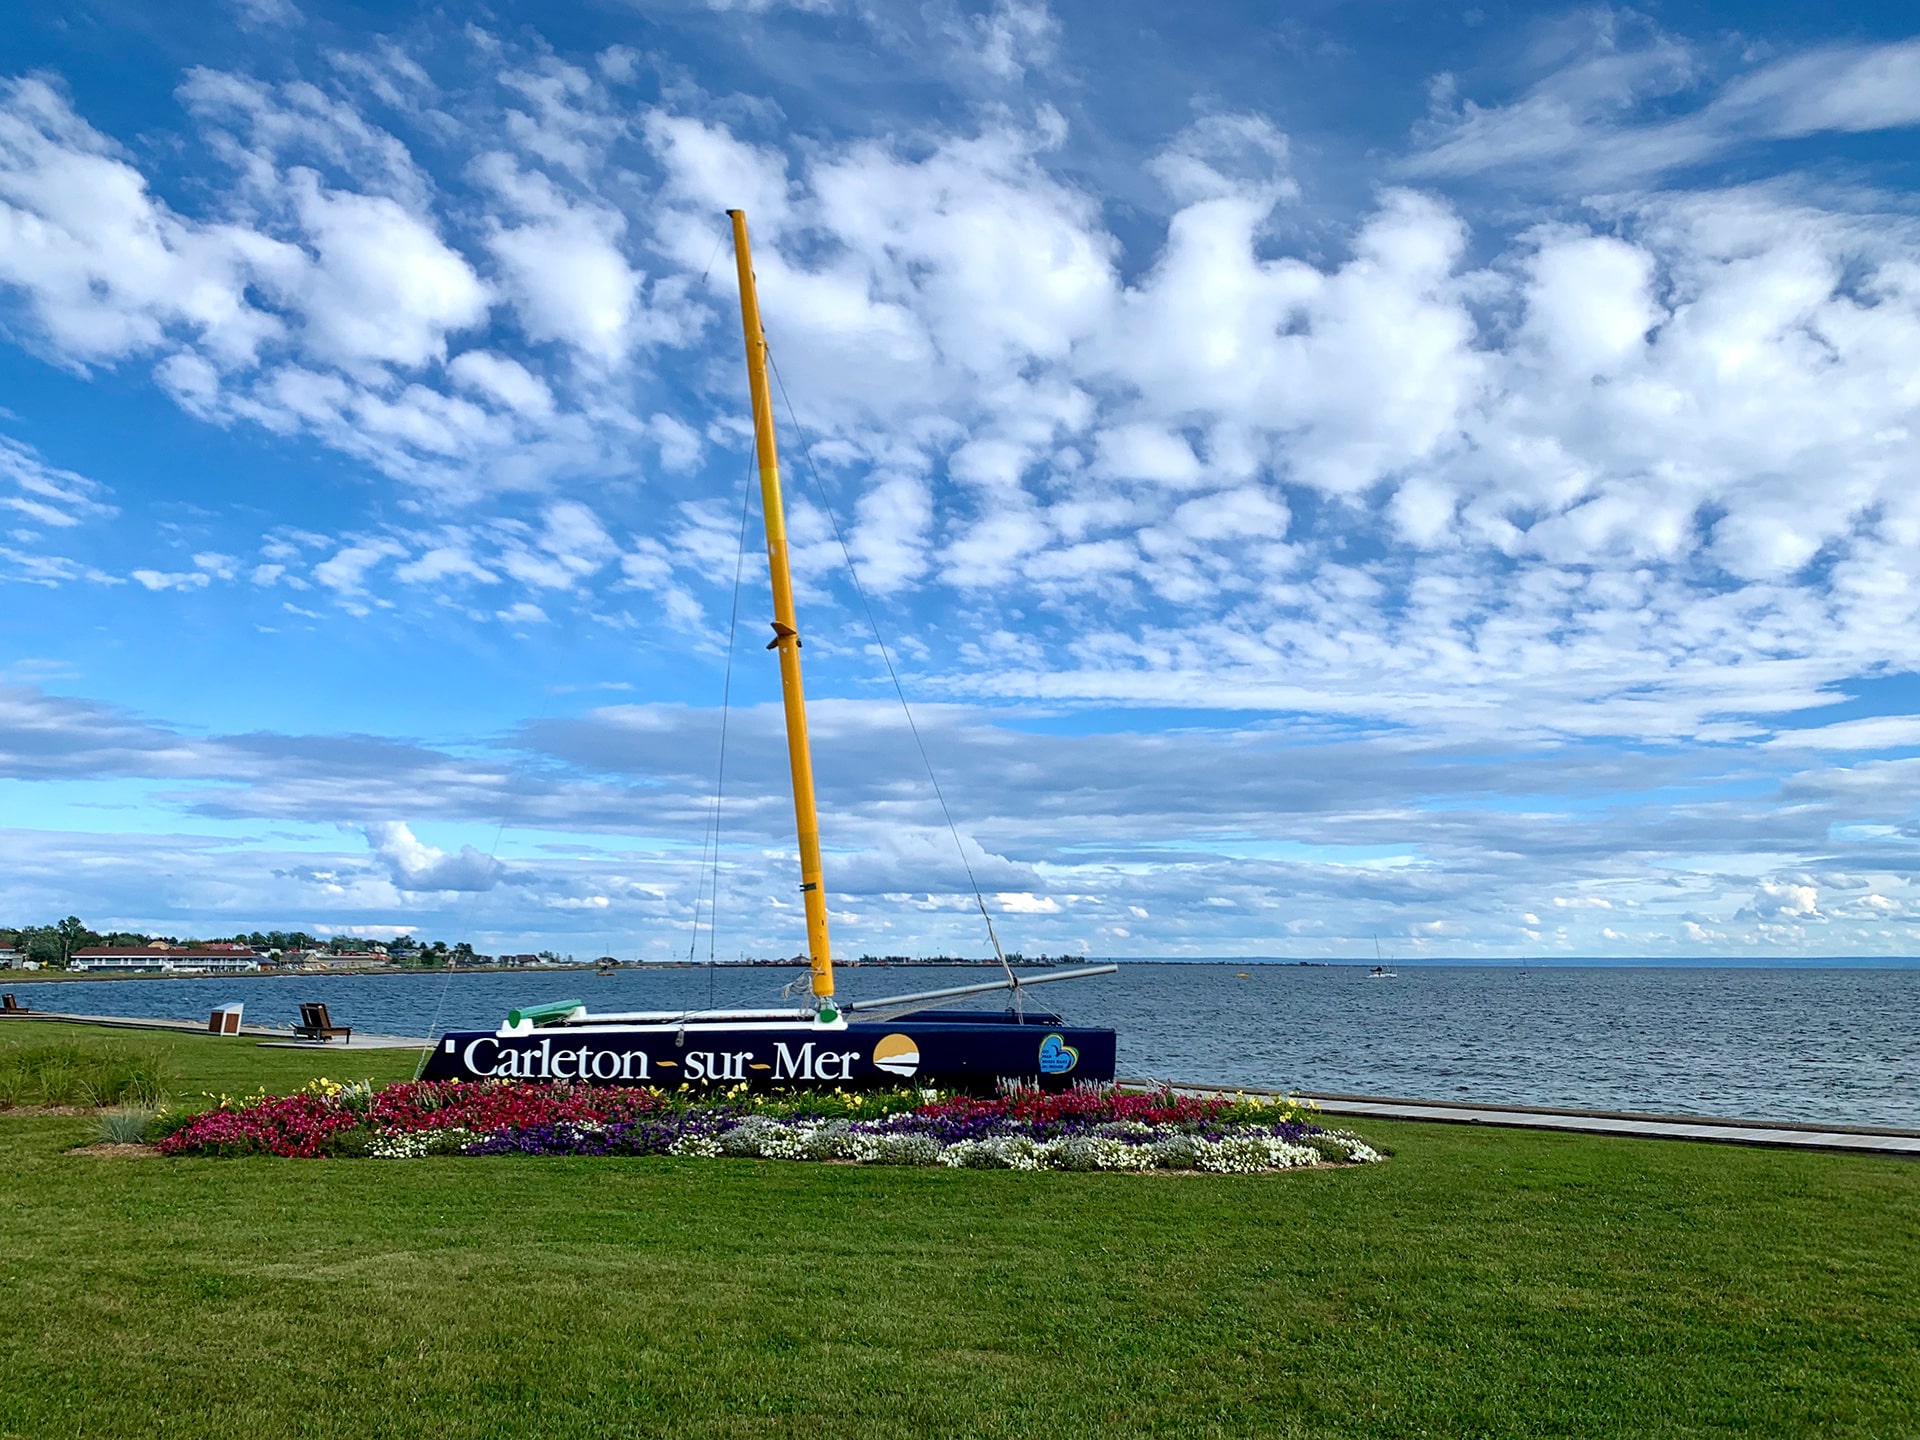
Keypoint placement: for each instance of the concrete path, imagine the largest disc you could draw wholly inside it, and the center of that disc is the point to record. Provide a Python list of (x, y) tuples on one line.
[(1860, 1139), (269, 1038)]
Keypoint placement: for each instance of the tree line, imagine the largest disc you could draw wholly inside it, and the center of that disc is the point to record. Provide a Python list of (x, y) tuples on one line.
[(55, 944)]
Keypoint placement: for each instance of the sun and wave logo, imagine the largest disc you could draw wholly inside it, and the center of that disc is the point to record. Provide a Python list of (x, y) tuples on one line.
[(897, 1055)]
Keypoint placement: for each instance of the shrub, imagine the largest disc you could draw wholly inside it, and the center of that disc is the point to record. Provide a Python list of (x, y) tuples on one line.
[(126, 1124)]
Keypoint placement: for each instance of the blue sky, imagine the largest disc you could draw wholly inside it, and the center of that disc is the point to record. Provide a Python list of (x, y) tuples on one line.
[(1390, 470)]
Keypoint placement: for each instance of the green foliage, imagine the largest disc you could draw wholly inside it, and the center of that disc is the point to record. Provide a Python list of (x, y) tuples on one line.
[(822, 1104), (91, 1073), (126, 1124), (54, 944), (165, 1121), (264, 940), (353, 1144)]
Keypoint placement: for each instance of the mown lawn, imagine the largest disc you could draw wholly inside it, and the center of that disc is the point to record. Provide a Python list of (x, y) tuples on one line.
[(1479, 1283)]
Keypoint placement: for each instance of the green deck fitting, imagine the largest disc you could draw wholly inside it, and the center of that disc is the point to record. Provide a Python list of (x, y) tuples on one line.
[(553, 1010)]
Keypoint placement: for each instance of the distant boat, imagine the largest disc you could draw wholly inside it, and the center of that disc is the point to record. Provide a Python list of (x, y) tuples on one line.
[(1380, 971)]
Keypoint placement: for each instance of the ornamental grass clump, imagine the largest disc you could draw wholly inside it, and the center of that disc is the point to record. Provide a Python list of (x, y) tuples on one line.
[(67, 1073), (125, 1124), (1085, 1129)]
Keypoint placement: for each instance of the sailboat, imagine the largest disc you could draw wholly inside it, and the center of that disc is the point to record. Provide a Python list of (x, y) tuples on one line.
[(1381, 971), (886, 1040)]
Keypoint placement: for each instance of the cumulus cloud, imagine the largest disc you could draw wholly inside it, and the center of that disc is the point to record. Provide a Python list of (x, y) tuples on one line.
[(413, 865), (325, 292)]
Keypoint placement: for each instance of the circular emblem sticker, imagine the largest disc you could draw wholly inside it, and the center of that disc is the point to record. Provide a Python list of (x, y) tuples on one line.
[(897, 1055)]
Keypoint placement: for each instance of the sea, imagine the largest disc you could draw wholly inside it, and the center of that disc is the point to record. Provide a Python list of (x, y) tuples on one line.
[(1820, 1044)]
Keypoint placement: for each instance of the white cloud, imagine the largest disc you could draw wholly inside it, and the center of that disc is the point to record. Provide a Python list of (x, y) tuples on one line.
[(346, 571), (104, 269), (522, 612), (384, 287), (1784, 900), (503, 380), (442, 562), (563, 266), (1876, 732), (261, 130), (266, 14), (1022, 903), (45, 495), (1013, 37), (172, 580), (1147, 452), (1577, 126), (417, 866), (890, 532), (570, 546)]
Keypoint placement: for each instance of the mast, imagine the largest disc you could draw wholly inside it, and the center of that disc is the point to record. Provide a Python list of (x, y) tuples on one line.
[(786, 631)]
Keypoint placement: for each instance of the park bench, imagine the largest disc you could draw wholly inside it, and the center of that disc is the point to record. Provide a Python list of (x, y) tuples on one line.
[(11, 1005), (316, 1024)]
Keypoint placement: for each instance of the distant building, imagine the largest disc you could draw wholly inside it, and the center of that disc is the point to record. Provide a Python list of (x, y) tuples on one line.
[(9, 957), (165, 959)]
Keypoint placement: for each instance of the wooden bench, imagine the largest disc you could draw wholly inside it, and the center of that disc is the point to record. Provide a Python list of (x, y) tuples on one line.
[(316, 1024), (11, 1005)]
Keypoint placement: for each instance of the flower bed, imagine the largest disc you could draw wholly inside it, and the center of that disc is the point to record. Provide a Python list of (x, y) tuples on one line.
[(1087, 1129)]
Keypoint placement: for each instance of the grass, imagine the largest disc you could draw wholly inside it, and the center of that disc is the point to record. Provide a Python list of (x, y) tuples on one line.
[(1483, 1282), (59, 1070)]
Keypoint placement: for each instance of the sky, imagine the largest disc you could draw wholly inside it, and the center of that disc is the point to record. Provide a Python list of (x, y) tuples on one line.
[(1348, 472)]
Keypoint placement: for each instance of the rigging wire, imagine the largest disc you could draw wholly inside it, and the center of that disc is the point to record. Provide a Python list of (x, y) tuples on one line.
[(720, 766), (446, 983), (806, 453), (473, 899)]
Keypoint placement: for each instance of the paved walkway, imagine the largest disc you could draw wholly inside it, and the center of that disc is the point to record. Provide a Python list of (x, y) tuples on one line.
[(269, 1038), (1790, 1135)]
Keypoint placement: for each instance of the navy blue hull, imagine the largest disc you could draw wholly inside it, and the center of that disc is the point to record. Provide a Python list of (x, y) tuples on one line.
[(947, 1049)]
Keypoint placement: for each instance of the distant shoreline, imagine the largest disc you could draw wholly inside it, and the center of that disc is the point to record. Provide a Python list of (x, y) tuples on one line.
[(1815, 962), (36, 977)]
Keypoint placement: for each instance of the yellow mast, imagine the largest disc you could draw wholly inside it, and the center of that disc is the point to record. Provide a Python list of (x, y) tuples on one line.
[(786, 636)]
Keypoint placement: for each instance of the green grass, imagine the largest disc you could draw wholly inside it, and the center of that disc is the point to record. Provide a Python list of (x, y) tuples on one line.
[(1482, 1282), (40, 1069)]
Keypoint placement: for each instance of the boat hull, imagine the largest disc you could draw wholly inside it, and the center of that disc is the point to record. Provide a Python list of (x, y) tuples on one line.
[(951, 1052)]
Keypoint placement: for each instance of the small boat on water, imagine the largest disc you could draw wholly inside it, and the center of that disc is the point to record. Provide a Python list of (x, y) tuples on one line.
[(884, 1040), (1381, 971)]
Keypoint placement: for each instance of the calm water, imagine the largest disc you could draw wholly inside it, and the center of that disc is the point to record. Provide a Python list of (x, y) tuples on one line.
[(1825, 1044)]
